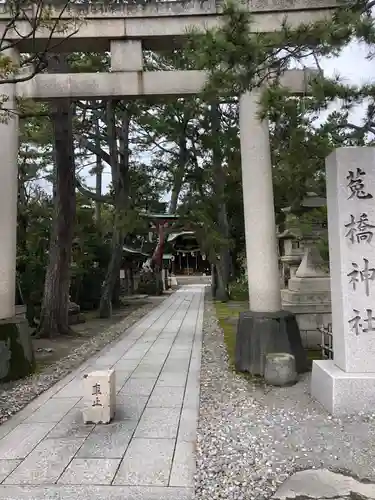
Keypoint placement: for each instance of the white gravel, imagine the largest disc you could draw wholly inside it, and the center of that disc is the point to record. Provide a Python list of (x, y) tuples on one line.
[(16, 395), (252, 437)]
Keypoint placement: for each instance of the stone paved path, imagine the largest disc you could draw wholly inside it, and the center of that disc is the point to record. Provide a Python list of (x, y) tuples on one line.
[(147, 453)]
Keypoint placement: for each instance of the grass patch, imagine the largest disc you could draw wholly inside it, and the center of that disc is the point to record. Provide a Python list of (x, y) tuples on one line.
[(227, 313)]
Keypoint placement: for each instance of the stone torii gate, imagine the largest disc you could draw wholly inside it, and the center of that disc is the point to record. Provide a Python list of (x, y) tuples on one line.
[(125, 31)]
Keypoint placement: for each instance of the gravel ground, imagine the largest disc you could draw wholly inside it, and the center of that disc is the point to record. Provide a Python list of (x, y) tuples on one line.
[(16, 395), (252, 437)]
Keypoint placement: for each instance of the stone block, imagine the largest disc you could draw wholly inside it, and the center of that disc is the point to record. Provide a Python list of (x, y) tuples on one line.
[(261, 333), (99, 397), (342, 393), (280, 369)]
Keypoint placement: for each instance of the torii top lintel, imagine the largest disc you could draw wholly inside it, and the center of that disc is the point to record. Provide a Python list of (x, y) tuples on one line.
[(158, 24)]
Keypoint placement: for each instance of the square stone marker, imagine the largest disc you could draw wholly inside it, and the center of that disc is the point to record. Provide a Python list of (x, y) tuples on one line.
[(6, 467), (46, 463), (99, 397), (166, 397), (110, 441), (23, 439), (158, 423), (184, 463), (346, 384), (98, 471), (147, 462), (53, 410)]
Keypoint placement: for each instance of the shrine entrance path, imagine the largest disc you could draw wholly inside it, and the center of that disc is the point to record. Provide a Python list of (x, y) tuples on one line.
[(147, 452)]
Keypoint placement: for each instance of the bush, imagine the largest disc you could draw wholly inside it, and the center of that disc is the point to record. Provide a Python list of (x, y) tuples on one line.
[(238, 290)]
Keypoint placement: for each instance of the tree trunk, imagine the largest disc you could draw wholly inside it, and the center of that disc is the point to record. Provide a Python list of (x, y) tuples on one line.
[(221, 284), (180, 171), (223, 266), (98, 175), (120, 179), (113, 271), (54, 312)]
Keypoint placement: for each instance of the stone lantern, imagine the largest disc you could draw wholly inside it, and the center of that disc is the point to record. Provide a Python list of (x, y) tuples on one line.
[(308, 293)]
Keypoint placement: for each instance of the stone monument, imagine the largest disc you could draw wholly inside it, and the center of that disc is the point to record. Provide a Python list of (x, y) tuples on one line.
[(346, 384), (99, 397)]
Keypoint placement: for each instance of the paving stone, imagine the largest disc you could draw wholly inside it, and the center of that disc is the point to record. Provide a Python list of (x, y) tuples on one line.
[(188, 424), (23, 439), (121, 378), (98, 471), (6, 467), (168, 379), (158, 423), (108, 441), (155, 359), (147, 462), (176, 365), (72, 389), (53, 410), (62, 492), (147, 371), (71, 426), (138, 386), (166, 397), (105, 362), (183, 467), (46, 462), (126, 364), (191, 399), (129, 407)]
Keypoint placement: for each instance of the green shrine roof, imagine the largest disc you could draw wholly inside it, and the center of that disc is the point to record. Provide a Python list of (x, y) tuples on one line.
[(160, 216), (133, 251), (174, 236)]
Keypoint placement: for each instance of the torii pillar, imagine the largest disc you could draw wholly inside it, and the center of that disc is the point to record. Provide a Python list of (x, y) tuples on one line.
[(16, 350), (265, 328), (8, 195)]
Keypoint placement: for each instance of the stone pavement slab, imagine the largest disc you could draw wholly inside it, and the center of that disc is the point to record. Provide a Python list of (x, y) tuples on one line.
[(148, 451)]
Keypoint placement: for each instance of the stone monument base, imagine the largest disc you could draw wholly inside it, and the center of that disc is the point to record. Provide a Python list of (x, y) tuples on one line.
[(259, 334), (16, 349), (342, 393)]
